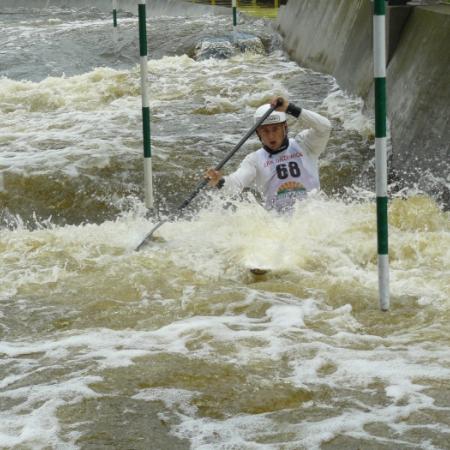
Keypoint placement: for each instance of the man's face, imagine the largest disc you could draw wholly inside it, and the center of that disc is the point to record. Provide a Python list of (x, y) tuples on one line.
[(273, 135)]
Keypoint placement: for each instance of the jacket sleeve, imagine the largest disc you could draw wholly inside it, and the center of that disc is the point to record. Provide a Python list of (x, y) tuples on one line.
[(314, 139), (243, 177)]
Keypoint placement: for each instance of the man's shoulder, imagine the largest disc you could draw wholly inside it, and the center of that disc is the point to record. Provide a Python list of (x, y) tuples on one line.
[(296, 143), (293, 141), (251, 158), (300, 146), (257, 154)]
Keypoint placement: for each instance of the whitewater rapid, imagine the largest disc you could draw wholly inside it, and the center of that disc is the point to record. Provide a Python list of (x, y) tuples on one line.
[(178, 345)]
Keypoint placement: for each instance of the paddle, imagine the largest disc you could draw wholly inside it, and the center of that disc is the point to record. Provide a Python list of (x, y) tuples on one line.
[(204, 182)]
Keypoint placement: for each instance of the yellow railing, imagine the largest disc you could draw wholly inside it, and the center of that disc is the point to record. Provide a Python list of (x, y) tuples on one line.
[(261, 8), (255, 3)]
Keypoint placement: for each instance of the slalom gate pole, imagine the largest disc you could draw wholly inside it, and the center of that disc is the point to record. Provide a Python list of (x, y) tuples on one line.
[(114, 11), (379, 51), (148, 181), (114, 5), (234, 6)]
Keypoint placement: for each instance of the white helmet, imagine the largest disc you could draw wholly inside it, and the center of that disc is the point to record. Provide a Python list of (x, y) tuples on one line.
[(274, 117)]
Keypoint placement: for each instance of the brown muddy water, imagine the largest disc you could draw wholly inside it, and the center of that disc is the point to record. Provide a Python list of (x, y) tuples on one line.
[(179, 346)]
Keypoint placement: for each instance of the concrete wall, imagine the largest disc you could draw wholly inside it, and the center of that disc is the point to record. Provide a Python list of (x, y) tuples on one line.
[(335, 36), (419, 92), (332, 37)]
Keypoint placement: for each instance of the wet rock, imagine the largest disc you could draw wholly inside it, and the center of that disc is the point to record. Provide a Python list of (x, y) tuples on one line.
[(224, 47)]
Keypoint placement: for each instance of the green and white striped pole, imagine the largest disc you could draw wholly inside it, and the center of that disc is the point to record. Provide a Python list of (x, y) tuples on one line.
[(114, 8), (114, 5), (234, 6), (379, 51), (148, 182)]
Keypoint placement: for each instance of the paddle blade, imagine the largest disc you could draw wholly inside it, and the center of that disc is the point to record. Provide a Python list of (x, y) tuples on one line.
[(149, 236)]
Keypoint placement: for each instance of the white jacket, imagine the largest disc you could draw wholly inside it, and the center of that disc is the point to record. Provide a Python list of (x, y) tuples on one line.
[(286, 176)]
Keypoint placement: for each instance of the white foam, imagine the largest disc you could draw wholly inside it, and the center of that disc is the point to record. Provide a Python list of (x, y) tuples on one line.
[(33, 420), (172, 398), (349, 111), (105, 103)]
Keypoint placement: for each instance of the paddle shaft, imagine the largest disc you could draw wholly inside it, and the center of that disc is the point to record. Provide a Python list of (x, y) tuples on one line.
[(204, 182)]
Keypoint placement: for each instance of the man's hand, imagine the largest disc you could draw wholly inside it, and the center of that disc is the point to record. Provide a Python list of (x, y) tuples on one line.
[(213, 177), (281, 101)]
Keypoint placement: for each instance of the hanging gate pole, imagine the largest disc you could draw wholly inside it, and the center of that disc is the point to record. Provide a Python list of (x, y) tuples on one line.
[(234, 5), (148, 182), (379, 50), (114, 5), (115, 37)]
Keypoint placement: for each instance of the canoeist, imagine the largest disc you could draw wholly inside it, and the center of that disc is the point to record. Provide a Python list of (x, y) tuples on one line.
[(285, 169)]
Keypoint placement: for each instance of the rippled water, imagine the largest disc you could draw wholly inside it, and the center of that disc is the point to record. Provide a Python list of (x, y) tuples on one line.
[(179, 346)]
